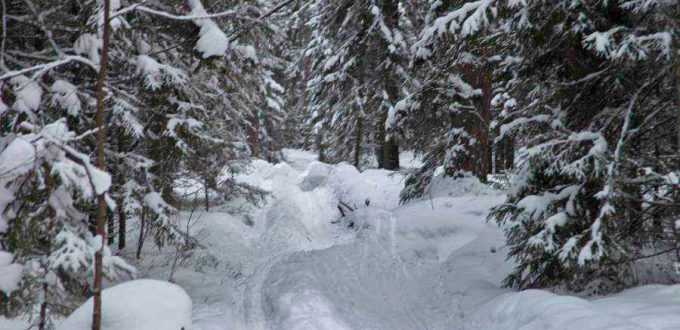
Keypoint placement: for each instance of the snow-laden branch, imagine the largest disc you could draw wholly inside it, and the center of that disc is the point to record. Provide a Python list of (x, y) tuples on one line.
[(464, 21), (192, 3), (629, 45), (48, 66), (228, 13)]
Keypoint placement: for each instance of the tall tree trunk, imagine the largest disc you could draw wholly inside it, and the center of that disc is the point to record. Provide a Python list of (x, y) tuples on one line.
[(482, 131), (45, 287), (389, 145), (122, 217), (140, 240), (122, 226), (320, 145), (380, 149), (357, 141), (391, 154), (253, 135), (101, 203), (508, 154), (111, 228), (207, 195), (478, 124), (676, 67)]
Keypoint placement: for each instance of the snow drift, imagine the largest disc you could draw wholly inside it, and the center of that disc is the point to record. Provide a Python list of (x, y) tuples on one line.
[(137, 305)]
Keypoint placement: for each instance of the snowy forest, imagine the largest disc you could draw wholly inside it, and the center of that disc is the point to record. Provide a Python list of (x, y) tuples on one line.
[(340, 164)]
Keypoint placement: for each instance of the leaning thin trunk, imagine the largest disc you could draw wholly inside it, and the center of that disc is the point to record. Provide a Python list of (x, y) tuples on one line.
[(140, 241), (101, 203)]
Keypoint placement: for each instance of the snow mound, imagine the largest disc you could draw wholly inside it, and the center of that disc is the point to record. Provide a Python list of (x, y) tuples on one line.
[(377, 187), (14, 324), (137, 305), (456, 187), (307, 310), (650, 307)]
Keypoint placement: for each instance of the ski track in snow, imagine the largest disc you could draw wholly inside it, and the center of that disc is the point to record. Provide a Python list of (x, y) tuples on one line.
[(407, 267), (430, 264)]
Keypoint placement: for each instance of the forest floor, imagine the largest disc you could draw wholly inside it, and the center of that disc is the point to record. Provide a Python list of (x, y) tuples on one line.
[(434, 263)]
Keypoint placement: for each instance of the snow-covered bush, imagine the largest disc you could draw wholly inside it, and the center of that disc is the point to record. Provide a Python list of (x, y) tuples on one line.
[(46, 188)]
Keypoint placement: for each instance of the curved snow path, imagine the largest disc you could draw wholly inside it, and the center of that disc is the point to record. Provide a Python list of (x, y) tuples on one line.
[(397, 268), (432, 264)]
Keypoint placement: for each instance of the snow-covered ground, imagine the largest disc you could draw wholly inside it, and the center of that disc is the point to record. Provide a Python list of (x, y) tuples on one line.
[(136, 305), (430, 264)]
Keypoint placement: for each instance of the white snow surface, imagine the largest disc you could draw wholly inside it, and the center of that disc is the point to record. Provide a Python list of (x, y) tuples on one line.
[(434, 263), (136, 305), (10, 273)]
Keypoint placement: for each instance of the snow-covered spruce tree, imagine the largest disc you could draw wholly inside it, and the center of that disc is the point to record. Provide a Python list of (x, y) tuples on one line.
[(48, 183), (357, 50), (177, 86), (592, 99), (455, 73)]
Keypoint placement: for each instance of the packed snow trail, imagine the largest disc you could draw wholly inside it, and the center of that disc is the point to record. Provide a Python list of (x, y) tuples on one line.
[(430, 264), (303, 266)]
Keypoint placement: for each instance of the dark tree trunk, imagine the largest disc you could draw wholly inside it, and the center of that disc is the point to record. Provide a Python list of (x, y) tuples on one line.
[(253, 135), (140, 240), (207, 197), (122, 226), (483, 162), (391, 155), (478, 124), (321, 147), (357, 142), (101, 203), (388, 154), (111, 228), (45, 287), (676, 67)]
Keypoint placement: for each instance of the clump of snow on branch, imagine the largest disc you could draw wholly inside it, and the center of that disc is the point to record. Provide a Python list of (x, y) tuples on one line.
[(155, 73), (77, 250), (88, 44), (212, 41), (628, 45), (10, 273), (65, 95), (28, 94)]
